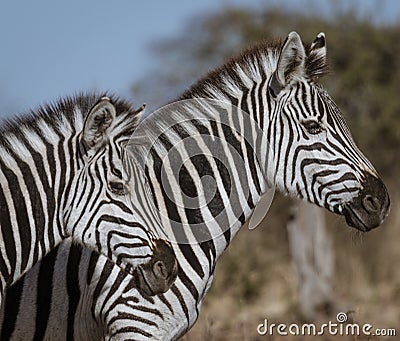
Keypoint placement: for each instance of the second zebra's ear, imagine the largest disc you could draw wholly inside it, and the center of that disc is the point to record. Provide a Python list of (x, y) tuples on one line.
[(98, 122), (290, 63), (317, 65), (318, 46), (139, 112)]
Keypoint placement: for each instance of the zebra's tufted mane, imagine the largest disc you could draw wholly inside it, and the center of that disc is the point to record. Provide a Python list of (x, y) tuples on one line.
[(67, 116), (252, 64)]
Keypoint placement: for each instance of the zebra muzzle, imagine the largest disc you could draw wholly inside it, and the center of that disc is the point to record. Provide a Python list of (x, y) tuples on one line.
[(371, 206), (158, 275)]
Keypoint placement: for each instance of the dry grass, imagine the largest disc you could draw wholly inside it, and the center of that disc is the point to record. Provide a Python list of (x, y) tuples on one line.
[(254, 280)]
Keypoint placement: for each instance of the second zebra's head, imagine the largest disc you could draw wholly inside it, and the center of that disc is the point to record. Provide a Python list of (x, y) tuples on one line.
[(315, 155), (99, 212)]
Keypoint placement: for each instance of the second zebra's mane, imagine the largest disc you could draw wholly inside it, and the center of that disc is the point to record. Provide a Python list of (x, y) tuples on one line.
[(251, 65), (66, 116)]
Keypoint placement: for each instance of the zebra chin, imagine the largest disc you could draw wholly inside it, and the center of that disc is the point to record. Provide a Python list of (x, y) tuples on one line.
[(371, 206)]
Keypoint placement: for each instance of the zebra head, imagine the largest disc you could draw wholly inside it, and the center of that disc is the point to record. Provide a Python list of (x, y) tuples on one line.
[(315, 155), (100, 211)]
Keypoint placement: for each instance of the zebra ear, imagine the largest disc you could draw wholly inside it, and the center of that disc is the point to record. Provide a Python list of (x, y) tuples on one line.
[(98, 122), (140, 111), (290, 63), (317, 62), (318, 46)]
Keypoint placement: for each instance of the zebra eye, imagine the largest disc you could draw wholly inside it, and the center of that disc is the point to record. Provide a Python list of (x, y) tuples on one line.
[(312, 127), (117, 173), (117, 187)]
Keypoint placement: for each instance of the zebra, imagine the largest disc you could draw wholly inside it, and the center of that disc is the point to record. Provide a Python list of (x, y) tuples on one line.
[(61, 175), (307, 152), (71, 273)]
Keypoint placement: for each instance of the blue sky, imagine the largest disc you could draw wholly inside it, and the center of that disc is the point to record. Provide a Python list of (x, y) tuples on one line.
[(52, 48)]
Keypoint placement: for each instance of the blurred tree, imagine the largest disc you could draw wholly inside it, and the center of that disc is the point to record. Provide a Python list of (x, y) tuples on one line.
[(313, 259)]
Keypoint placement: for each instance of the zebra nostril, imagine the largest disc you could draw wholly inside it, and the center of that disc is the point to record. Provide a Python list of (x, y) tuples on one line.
[(371, 204), (160, 270)]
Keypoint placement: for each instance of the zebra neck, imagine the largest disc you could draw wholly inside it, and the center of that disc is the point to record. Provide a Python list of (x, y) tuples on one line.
[(235, 93), (33, 163), (181, 147), (242, 83), (242, 128), (186, 143)]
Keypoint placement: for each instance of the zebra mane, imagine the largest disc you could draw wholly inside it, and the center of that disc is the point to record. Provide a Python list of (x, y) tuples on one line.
[(68, 114), (252, 64)]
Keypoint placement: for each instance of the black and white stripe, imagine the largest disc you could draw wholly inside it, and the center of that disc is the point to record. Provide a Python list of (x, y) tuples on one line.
[(283, 129)]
